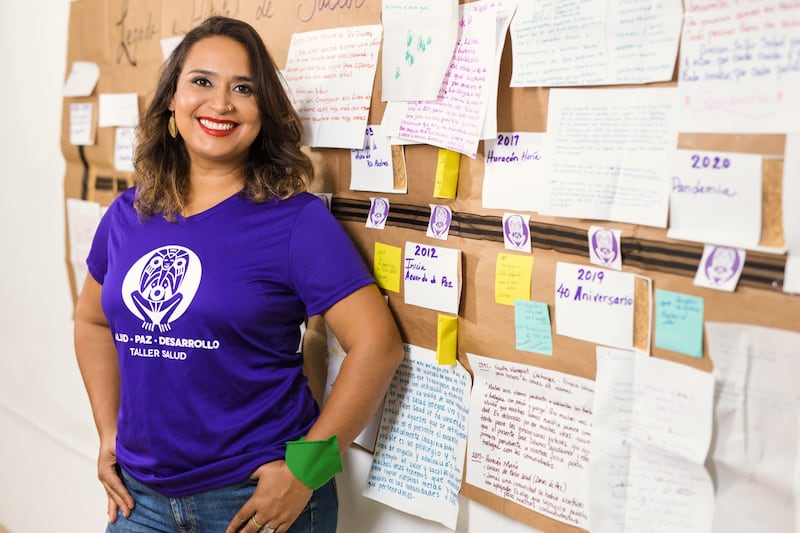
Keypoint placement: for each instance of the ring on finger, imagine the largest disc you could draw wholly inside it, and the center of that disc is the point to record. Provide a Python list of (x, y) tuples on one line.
[(255, 523)]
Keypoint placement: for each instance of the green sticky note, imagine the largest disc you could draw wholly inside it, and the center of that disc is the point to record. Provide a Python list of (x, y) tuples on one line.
[(679, 322), (532, 324)]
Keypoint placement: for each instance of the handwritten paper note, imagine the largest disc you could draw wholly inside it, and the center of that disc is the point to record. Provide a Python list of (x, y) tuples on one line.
[(82, 220), (419, 455), (594, 304), (514, 172), (371, 167), (529, 436), (609, 152), (387, 266), (330, 74), (512, 278), (594, 42), (715, 198), (505, 10), (756, 426), (679, 322), (124, 144), (454, 120), (650, 435), (532, 327), (738, 70), (419, 38), (432, 277), (81, 131)]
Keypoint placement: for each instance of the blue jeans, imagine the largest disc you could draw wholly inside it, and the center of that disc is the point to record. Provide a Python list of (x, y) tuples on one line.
[(211, 511)]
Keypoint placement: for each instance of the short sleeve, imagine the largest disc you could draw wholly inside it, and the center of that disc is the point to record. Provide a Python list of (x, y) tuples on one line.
[(97, 261), (325, 265)]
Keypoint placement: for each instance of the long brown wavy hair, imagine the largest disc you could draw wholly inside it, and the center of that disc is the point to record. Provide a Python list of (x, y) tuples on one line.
[(276, 165)]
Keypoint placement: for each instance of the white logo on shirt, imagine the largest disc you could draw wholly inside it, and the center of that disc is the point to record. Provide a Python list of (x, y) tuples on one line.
[(159, 287)]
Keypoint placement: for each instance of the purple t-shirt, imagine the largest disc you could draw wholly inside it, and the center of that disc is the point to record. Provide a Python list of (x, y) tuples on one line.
[(206, 313)]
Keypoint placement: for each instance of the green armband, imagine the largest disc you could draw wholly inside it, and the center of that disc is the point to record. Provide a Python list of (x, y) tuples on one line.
[(314, 462)]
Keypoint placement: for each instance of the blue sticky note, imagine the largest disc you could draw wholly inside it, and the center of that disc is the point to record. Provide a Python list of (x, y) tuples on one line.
[(679, 322), (532, 324)]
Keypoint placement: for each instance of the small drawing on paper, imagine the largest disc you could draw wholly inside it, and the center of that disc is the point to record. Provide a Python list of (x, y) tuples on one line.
[(722, 264), (517, 232), (440, 221), (378, 213), (415, 44), (605, 246)]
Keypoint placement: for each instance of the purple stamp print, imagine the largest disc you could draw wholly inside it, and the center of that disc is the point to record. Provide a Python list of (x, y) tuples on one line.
[(516, 232), (720, 267), (439, 223), (378, 212), (721, 264), (605, 245)]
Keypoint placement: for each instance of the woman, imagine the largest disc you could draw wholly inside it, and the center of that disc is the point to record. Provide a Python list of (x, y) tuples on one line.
[(186, 330)]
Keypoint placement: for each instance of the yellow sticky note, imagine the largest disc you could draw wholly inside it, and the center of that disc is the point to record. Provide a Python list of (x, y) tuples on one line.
[(387, 266), (512, 278), (446, 174), (446, 339)]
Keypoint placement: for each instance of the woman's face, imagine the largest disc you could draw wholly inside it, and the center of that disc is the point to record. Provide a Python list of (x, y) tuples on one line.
[(214, 102)]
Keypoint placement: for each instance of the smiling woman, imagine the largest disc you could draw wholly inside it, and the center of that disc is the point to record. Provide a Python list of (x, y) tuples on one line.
[(216, 111), (187, 327), (220, 82)]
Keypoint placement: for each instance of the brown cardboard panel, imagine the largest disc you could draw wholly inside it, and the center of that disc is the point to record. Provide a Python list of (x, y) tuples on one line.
[(88, 32), (276, 20), (123, 38), (134, 44), (729, 142)]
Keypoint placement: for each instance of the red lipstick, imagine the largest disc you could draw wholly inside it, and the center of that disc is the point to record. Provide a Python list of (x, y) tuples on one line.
[(216, 127)]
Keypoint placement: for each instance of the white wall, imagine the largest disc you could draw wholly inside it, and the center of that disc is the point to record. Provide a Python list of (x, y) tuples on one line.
[(47, 439)]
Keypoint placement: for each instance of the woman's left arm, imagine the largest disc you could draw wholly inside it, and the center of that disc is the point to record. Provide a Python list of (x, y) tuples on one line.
[(368, 333)]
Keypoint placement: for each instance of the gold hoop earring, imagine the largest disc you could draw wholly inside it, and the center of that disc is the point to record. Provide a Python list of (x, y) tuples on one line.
[(172, 126)]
